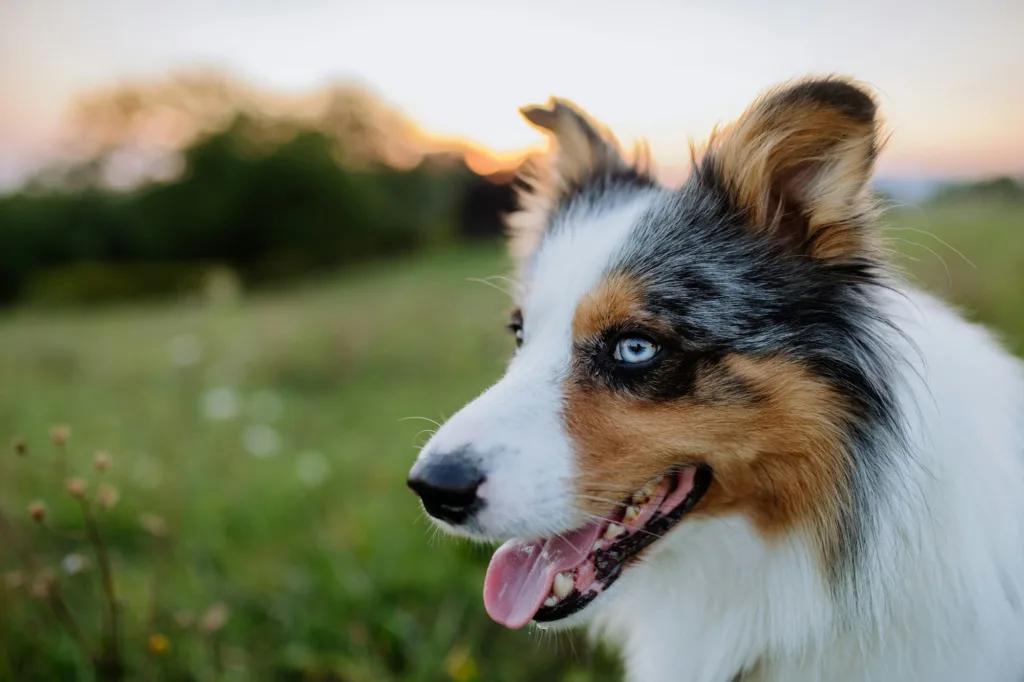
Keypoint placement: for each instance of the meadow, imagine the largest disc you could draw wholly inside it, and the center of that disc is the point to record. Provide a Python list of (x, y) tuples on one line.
[(252, 502)]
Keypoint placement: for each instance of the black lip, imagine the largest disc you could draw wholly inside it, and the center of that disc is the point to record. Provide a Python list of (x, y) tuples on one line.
[(609, 562)]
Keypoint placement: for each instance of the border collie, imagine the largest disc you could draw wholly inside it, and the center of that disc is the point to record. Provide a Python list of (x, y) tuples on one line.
[(732, 439)]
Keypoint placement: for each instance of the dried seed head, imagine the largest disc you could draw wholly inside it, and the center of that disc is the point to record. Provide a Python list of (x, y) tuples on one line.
[(60, 434), (214, 619), (107, 496), (76, 487), (101, 461), (184, 618), (20, 446), (44, 584), (14, 579), (37, 510), (158, 644), (154, 525)]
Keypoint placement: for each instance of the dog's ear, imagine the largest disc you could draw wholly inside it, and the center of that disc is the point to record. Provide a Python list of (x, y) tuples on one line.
[(797, 165), (583, 148), (580, 150)]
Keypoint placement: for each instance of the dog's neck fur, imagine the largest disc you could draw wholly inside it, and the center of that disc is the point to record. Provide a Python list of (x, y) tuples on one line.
[(940, 595)]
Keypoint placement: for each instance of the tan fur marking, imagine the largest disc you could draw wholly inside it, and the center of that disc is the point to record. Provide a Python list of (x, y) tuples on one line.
[(615, 301), (777, 459)]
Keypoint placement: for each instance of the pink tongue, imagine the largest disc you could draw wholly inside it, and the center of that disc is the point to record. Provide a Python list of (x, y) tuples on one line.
[(521, 573)]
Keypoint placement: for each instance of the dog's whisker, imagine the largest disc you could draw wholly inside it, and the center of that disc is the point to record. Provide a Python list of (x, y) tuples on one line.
[(938, 239), (492, 285), (564, 539), (420, 433), (426, 419), (607, 500), (949, 276), (516, 284), (598, 517), (600, 487)]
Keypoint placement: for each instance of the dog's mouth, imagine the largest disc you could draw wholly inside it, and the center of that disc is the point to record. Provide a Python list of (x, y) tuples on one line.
[(548, 580)]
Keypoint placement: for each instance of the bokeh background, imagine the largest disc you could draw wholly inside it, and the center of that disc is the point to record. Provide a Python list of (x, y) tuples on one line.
[(250, 252)]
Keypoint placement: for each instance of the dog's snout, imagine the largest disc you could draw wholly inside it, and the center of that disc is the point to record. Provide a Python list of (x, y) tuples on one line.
[(447, 484)]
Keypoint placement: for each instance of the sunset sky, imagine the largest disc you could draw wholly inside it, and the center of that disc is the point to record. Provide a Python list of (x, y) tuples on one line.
[(948, 74)]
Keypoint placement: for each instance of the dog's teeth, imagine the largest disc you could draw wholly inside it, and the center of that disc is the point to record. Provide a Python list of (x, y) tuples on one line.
[(631, 514), (644, 495), (563, 585), (598, 545), (551, 601), (614, 530)]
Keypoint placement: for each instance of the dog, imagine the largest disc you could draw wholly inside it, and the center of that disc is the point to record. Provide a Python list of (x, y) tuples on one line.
[(732, 439)]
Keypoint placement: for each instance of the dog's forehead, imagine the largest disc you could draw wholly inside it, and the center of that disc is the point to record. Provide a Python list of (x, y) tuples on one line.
[(580, 249)]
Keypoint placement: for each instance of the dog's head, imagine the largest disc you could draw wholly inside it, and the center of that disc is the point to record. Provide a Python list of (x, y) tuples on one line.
[(691, 352)]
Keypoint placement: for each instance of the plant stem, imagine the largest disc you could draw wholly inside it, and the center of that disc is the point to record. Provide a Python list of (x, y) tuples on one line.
[(218, 658), (110, 659), (64, 617), (60, 463)]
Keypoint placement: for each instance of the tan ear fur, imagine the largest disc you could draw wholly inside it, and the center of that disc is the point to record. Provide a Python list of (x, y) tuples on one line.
[(583, 146), (798, 162), (580, 149)]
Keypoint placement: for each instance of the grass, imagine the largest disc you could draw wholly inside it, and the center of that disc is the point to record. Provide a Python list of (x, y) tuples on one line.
[(971, 254), (270, 436)]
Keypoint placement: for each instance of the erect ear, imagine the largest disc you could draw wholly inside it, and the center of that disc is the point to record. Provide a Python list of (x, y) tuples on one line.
[(580, 150), (797, 166), (583, 148)]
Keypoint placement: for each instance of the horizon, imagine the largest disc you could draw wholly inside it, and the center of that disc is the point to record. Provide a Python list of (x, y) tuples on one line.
[(460, 71)]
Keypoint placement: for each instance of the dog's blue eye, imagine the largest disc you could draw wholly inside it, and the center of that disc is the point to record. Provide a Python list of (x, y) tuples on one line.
[(633, 350)]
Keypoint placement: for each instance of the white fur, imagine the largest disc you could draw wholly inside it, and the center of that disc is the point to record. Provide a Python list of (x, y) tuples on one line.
[(941, 597)]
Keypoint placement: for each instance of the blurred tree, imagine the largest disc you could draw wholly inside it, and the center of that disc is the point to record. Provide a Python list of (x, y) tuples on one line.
[(170, 112), (993, 189), (268, 185), (368, 132)]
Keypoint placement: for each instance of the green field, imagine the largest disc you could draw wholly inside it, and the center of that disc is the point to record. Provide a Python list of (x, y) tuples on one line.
[(269, 434)]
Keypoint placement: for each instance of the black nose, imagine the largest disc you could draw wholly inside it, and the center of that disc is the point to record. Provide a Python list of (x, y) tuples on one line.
[(447, 485)]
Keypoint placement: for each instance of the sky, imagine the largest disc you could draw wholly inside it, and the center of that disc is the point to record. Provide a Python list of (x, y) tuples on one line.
[(948, 74)]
